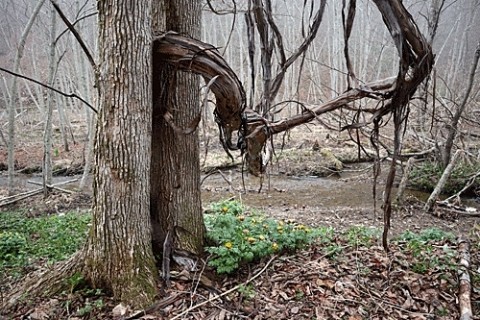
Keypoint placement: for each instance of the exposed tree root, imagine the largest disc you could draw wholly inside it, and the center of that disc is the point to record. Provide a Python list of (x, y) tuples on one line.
[(45, 282)]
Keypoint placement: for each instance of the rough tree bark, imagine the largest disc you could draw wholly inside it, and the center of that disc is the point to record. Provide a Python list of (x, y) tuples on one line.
[(118, 252), (175, 205), (192, 55)]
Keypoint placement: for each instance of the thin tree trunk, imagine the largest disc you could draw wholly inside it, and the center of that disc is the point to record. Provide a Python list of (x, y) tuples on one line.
[(13, 95), (403, 183), (453, 126), (88, 148), (465, 283), (47, 133), (64, 123)]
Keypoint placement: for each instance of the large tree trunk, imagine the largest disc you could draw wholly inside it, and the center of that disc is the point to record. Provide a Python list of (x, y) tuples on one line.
[(175, 174), (119, 255)]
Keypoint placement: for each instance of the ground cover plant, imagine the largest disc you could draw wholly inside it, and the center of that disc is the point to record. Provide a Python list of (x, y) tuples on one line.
[(25, 240), (278, 268), (239, 235)]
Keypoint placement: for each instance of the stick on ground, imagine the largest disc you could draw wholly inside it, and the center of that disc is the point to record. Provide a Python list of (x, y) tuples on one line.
[(465, 286)]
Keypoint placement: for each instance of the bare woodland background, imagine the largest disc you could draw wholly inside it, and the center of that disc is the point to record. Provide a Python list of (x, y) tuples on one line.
[(53, 56)]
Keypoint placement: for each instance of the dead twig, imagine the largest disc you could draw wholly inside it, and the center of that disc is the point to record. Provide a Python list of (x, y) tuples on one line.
[(180, 315), (68, 95), (27, 194)]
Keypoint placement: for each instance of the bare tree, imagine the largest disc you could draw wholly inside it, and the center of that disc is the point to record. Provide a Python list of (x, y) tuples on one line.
[(13, 96), (271, 41), (47, 133), (453, 125)]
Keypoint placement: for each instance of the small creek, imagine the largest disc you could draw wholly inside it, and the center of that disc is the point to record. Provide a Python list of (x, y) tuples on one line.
[(351, 189)]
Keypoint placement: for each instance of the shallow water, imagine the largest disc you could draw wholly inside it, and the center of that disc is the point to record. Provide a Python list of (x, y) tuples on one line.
[(350, 189)]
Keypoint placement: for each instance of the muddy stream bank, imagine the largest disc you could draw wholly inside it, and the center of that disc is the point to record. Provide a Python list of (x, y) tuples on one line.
[(341, 200)]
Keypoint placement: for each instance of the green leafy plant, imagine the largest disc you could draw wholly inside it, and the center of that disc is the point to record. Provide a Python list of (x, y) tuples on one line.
[(425, 255), (361, 236), (238, 236), (52, 238), (12, 246), (333, 250), (85, 310), (430, 234), (74, 281), (248, 291)]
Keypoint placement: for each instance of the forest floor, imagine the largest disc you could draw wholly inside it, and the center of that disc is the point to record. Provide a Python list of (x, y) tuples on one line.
[(349, 277)]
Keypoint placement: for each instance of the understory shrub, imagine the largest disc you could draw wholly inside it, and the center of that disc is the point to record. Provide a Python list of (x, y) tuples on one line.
[(237, 235)]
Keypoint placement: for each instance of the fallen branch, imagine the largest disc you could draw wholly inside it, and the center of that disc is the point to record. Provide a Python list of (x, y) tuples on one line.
[(50, 186), (20, 196), (465, 286), (441, 183), (466, 211), (27, 194), (467, 186), (156, 306), (218, 296)]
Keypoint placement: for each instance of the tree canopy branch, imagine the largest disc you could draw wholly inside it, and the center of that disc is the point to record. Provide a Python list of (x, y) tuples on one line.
[(75, 33), (68, 95)]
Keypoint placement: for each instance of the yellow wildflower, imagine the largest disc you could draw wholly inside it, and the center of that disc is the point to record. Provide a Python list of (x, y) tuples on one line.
[(275, 246), (225, 209), (228, 245), (251, 239)]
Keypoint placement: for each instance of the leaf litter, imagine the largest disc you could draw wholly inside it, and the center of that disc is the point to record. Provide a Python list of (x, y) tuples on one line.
[(348, 276), (359, 282)]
